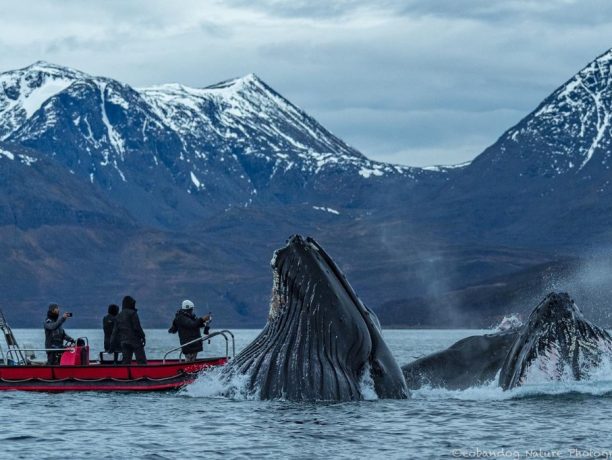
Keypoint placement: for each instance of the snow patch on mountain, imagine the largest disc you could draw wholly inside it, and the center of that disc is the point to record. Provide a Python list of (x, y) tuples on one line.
[(7, 154), (34, 100), (23, 92), (113, 136), (24, 159), (326, 209), (195, 180), (445, 168), (368, 172)]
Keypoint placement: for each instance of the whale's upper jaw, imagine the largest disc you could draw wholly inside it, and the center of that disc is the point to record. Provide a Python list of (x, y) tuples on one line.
[(312, 264), (555, 307), (558, 340)]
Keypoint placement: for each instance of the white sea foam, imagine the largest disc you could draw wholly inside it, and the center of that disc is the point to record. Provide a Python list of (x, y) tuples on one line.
[(536, 384), (366, 385), (214, 384), (511, 321)]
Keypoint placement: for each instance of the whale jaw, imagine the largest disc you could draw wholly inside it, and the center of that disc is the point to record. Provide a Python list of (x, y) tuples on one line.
[(320, 342), (556, 343)]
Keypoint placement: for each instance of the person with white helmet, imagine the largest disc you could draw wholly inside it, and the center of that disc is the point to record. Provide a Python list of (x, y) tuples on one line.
[(188, 326)]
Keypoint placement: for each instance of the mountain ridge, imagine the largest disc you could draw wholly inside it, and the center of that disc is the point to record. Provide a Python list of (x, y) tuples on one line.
[(195, 187)]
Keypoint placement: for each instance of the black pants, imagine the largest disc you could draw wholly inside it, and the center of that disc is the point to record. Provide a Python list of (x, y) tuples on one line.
[(127, 349), (53, 357)]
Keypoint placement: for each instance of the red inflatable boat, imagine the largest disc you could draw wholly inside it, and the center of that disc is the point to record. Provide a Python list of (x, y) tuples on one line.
[(77, 373)]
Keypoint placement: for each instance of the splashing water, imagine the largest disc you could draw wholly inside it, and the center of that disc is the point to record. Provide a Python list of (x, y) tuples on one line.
[(366, 385), (538, 382), (492, 392), (215, 384), (511, 321)]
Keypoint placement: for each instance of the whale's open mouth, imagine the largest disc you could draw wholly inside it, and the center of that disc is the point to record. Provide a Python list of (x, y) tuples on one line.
[(556, 343), (320, 338)]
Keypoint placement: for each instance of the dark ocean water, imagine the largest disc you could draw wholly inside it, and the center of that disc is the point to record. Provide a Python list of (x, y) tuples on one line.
[(561, 420)]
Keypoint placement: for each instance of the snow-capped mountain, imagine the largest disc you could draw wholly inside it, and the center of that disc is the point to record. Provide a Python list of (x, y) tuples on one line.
[(246, 115), (569, 132), (194, 150), (186, 191), (552, 167)]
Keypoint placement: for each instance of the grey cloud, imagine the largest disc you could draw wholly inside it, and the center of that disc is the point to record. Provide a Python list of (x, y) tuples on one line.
[(216, 30), (318, 9), (560, 12), (507, 11)]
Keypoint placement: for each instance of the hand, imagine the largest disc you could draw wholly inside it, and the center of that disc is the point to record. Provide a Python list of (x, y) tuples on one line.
[(66, 315), (206, 318)]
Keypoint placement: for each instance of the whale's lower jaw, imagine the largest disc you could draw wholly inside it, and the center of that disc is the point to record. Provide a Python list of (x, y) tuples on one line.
[(556, 344), (277, 369)]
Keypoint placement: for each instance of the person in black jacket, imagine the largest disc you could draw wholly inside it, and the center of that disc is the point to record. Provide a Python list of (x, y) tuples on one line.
[(188, 327), (128, 332), (108, 324), (55, 334)]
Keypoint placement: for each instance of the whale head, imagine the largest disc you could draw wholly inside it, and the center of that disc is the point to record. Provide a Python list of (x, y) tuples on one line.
[(556, 343), (320, 342)]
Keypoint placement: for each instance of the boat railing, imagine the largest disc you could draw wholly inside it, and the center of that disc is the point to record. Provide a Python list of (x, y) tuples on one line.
[(9, 337), (26, 357), (18, 351), (224, 333)]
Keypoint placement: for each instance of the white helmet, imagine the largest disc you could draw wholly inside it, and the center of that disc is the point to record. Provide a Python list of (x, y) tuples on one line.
[(187, 305)]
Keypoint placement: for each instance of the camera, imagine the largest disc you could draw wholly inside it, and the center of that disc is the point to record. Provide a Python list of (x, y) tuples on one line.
[(69, 314)]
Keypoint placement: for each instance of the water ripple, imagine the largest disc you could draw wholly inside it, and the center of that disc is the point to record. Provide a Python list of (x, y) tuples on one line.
[(200, 423)]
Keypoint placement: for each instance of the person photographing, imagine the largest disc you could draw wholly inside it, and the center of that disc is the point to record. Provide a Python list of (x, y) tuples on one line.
[(188, 326), (55, 334)]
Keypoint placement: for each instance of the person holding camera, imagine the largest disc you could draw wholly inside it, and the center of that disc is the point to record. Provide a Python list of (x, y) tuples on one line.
[(188, 327), (55, 334)]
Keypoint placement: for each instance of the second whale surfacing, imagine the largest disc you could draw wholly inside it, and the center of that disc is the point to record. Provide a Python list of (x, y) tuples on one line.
[(556, 343), (470, 362), (320, 342)]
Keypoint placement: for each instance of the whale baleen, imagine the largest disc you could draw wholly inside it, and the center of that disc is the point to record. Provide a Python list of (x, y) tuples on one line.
[(320, 342)]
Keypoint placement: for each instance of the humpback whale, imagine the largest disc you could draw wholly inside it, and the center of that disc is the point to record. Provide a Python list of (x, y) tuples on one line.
[(469, 362), (556, 342), (320, 342)]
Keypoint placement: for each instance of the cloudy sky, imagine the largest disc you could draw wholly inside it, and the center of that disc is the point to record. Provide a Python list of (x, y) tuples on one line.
[(406, 81)]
